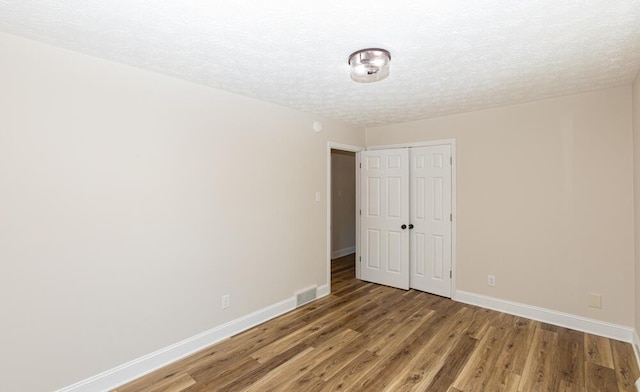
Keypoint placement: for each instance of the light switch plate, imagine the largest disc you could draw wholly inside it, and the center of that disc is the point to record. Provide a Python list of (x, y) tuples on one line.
[(225, 301)]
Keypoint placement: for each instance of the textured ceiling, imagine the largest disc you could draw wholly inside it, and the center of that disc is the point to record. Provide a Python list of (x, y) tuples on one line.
[(447, 56)]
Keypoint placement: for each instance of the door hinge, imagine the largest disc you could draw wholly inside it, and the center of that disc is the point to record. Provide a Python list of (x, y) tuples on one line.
[(360, 259), (450, 274), (360, 165), (360, 212), (450, 217), (451, 160)]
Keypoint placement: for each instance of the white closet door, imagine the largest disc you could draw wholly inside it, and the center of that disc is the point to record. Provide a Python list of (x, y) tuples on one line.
[(431, 219), (385, 211)]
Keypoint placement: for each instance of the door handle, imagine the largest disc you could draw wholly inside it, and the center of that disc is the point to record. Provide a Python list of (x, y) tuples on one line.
[(403, 227), (410, 226)]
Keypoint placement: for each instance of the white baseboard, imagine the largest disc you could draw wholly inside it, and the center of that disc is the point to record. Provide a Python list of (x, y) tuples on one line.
[(323, 291), (595, 327), (343, 252), (636, 348), (137, 368)]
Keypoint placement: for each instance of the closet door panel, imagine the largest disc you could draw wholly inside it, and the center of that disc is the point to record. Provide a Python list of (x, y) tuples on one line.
[(430, 214), (384, 217)]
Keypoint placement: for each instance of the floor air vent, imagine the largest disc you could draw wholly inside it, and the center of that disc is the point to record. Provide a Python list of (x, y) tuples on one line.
[(306, 295)]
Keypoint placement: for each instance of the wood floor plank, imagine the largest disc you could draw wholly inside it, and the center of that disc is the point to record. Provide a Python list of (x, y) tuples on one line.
[(220, 362), (497, 362), (516, 347), (146, 382), (300, 377), (418, 373), (481, 364), (348, 376), (218, 354), (570, 362), (421, 370), (348, 286), (456, 359), (336, 362), (208, 379), (178, 383), (333, 303), (256, 374), (447, 338), (386, 304), (367, 337), (600, 378), (395, 338), (435, 302), (598, 350), (548, 327), (627, 371), (502, 380), (491, 366), (279, 375), (386, 372), (407, 305), (311, 330), (321, 353), (309, 382), (339, 323), (539, 370), (480, 321)]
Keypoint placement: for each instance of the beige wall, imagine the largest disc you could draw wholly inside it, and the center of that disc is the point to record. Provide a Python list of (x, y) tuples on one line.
[(131, 201), (544, 200), (636, 155), (343, 200)]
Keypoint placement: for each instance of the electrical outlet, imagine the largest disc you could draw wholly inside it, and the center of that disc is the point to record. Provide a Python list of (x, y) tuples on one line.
[(225, 302), (595, 301), (491, 280)]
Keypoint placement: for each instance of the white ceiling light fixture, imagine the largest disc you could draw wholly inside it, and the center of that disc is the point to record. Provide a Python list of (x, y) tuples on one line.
[(369, 65)]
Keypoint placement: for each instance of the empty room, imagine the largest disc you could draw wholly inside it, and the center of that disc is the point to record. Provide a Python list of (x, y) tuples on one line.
[(319, 196)]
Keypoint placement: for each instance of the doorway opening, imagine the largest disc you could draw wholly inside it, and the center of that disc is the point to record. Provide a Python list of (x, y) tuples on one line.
[(342, 214)]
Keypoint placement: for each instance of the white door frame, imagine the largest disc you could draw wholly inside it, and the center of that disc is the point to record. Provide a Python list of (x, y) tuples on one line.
[(356, 150), (454, 227)]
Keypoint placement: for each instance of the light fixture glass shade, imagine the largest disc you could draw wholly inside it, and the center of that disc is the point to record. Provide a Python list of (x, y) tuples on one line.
[(369, 65)]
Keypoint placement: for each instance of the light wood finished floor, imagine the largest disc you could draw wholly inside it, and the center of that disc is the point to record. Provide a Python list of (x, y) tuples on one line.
[(366, 337)]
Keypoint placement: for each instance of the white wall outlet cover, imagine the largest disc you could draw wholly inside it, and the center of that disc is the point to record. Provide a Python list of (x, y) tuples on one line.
[(595, 301), (317, 126)]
